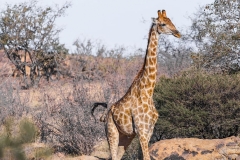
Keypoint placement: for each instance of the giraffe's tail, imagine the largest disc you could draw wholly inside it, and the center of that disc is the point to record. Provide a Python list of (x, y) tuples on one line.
[(95, 105)]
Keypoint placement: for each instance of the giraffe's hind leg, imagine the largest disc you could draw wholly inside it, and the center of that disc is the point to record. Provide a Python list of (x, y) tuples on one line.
[(113, 137), (118, 142)]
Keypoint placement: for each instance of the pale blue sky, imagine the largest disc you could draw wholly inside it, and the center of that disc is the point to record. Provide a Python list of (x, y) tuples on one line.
[(118, 22)]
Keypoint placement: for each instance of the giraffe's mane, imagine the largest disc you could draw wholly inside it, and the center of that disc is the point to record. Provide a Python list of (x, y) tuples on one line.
[(140, 72)]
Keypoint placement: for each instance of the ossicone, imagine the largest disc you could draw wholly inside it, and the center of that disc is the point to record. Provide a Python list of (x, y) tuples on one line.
[(162, 14)]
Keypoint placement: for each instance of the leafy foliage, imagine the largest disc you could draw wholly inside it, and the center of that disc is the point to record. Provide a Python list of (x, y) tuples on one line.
[(30, 39), (197, 104), (214, 28)]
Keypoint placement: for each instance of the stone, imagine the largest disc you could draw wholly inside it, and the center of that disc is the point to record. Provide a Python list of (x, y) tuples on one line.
[(196, 149)]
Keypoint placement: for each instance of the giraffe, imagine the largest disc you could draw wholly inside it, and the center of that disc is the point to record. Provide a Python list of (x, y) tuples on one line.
[(135, 113)]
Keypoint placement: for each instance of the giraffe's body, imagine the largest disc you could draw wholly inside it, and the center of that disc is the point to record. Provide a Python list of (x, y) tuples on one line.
[(135, 114)]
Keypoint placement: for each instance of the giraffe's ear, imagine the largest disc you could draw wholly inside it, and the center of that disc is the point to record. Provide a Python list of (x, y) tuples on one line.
[(154, 20)]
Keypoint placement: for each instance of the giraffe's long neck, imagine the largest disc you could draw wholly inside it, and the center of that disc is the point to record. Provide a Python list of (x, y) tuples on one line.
[(149, 70)]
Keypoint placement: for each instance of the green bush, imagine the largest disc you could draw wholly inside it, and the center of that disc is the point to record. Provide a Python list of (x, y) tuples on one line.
[(13, 138), (197, 104)]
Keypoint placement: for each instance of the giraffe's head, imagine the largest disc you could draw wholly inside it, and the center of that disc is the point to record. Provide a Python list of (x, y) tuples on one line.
[(164, 25)]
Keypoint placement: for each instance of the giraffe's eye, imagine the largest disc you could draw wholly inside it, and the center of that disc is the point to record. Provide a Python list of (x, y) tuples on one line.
[(163, 24)]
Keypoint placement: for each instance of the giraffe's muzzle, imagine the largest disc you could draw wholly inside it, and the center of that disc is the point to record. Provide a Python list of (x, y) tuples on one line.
[(177, 34)]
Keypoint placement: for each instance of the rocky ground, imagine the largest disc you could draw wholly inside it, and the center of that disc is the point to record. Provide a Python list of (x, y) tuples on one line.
[(178, 149)]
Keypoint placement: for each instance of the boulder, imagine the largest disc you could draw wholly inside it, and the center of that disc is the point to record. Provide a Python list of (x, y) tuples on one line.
[(101, 150), (196, 149)]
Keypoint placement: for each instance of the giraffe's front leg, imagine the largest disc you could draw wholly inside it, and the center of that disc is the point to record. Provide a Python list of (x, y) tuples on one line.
[(144, 145), (113, 137), (144, 132), (144, 129)]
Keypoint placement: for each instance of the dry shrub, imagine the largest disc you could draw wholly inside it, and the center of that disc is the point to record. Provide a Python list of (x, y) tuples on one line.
[(68, 125), (10, 102)]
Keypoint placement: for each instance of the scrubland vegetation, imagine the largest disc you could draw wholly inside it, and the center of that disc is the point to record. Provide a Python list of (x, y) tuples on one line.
[(197, 92)]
